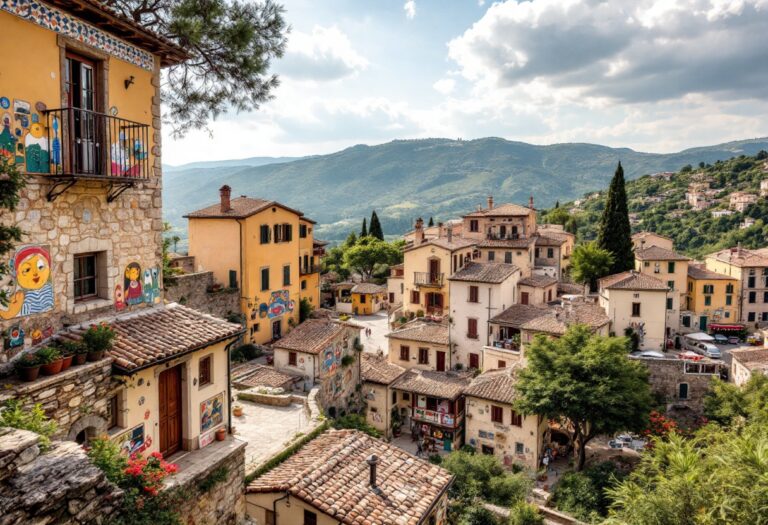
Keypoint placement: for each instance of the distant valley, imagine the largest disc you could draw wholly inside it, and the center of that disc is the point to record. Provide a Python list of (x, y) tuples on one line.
[(405, 179)]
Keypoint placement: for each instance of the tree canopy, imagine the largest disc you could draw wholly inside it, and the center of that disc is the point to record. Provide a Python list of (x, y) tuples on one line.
[(364, 229), (375, 228), (231, 44), (586, 380), (614, 233), (368, 253), (589, 263)]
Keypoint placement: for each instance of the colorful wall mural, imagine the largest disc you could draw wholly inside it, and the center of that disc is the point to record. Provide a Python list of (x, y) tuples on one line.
[(23, 137), (31, 282), (126, 156), (279, 303), (138, 286), (212, 412), (133, 441)]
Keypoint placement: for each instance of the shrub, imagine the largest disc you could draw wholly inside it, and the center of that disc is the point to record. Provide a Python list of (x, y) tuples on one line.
[(477, 515), (436, 459), (34, 420), (48, 354), (28, 360), (305, 309), (525, 514), (72, 347), (584, 494), (419, 313), (99, 337), (357, 422), (347, 360), (508, 489), (246, 352), (106, 455)]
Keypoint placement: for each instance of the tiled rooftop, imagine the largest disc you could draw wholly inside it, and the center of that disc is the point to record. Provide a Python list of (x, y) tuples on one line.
[(240, 208), (742, 257), (538, 281), (456, 243), (250, 375), (424, 331), (559, 318), (503, 210), (494, 385), (331, 474), (550, 239), (445, 385), (378, 369), (699, 272), (751, 357), (655, 253), (153, 335), (519, 314), (313, 335), (632, 280), (368, 288), (506, 243), (493, 273)]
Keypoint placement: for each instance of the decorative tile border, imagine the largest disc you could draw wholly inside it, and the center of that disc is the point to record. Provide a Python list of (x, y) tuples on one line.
[(67, 25)]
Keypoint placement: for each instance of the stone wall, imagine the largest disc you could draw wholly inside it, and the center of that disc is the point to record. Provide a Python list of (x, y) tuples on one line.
[(666, 376), (192, 290), (75, 399), (61, 486), (221, 466)]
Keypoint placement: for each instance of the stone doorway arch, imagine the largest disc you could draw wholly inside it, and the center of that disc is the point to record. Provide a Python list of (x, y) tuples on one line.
[(87, 428)]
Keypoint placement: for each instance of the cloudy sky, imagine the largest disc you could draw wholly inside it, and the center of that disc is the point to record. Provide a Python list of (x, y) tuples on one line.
[(653, 75)]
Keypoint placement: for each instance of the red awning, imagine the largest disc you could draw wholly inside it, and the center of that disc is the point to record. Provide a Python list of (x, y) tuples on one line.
[(714, 326)]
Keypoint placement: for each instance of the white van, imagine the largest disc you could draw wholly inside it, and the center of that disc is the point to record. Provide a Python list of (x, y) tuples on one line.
[(691, 341)]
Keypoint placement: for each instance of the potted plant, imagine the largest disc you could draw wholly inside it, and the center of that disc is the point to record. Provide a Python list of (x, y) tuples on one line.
[(221, 434), (237, 410), (67, 355), (98, 339), (79, 350), (50, 360), (28, 367)]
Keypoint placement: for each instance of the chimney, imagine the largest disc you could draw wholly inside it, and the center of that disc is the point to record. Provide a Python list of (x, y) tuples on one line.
[(439, 230), (530, 202), (225, 191), (450, 233), (490, 202), (418, 231), (372, 461)]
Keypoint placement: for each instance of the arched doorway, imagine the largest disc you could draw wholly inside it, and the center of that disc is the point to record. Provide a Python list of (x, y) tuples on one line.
[(86, 428)]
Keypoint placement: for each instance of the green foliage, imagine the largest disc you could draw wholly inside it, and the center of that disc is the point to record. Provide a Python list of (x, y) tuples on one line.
[(11, 183), (169, 238), (99, 337), (356, 422), (375, 229), (525, 514), (230, 44), (587, 380), (614, 233), (245, 353), (106, 455), (431, 222), (369, 252), (477, 515), (584, 494), (483, 476), (364, 229), (213, 479), (71, 347), (347, 360), (589, 263), (305, 309), (34, 420), (726, 403), (27, 360), (47, 355)]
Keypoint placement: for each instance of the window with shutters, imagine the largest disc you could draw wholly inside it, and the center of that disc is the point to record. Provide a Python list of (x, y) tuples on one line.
[(491, 256), (517, 419), (707, 300), (423, 356), (415, 297), (472, 328), (474, 294), (497, 414), (550, 253), (474, 226), (669, 303), (264, 279), (264, 235), (502, 364), (508, 257), (752, 297), (287, 275), (474, 360), (671, 267), (729, 288), (303, 231), (278, 232), (728, 300), (287, 232), (205, 374), (405, 353)]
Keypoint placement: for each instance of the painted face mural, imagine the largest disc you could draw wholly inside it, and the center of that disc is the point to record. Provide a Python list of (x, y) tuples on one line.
[(119, 298), (279, 303), (36, 146), (329, 359), (132, 285), (15, 337), (31, 269)]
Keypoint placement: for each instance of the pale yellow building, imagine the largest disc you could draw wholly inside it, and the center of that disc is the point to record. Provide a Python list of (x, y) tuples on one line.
[(746, 362), (644, 239), (636, 302), (395, 285), (377, 376), (368, 298), (712, 299), (537, 289), (421, 344), (672, 269), (264, 248), (348, 477), (750, 267), (495, 427), (554, 247)]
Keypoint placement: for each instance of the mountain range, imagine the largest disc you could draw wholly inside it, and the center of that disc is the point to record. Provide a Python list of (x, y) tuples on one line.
[(405, 179)]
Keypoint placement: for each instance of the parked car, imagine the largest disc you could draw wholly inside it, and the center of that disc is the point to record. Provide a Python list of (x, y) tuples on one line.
[(734, 340), (709, 350), (721, 339)]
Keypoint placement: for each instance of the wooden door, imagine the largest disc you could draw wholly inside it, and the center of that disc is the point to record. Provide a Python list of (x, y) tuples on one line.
[(434, 270), (169, 388), (440, 361), (524, 298), (474, 361)]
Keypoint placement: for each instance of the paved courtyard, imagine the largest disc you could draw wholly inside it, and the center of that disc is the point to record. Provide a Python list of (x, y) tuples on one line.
[(266, 429), (379, 328)]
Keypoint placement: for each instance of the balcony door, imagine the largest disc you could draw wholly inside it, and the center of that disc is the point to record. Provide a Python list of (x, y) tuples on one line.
[(83, 124), (434, 270), (440, 361)]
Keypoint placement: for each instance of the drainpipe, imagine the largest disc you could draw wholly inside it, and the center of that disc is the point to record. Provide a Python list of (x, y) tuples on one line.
[(228, 350), (274, 504)]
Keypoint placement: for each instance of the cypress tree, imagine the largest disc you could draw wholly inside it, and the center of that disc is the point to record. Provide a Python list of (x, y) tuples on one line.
[(364, 230), (614, 233), (375, 229), (431, 222), (557, 204)]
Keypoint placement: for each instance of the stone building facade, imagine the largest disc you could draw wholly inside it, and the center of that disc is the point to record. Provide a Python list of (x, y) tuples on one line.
[(196, 290), (681, 383)]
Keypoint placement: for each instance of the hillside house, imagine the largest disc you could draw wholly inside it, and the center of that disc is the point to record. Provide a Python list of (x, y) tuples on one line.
[(740, 200), (378, 374), (712, 299), (750, 267), (421, 344), (672, 269)]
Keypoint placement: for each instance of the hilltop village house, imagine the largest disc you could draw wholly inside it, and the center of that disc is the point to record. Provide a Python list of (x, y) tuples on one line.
[(265, 249), (82, 122), (712, 300), (378, 374), (750, 267)]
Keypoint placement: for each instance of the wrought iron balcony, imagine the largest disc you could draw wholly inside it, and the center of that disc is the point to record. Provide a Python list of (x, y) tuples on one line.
[(85, 144), (310, 268), (428, 279)]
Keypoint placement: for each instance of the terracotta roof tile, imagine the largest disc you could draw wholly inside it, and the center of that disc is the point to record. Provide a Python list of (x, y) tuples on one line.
[(493, 273), (313, 335), (655, 253), (503, 210), (632, 280), (331, 474), (377, 369), (250, 375), (559, 318), (456, 243), (550, 239), (519, 314), (538, 281), (751, 357), (699, 272), (495, 385), (153, 335), (570, 288), (240, 208), (741, 257), (368, 288), (445, 385), (506, 243), (423, 331)]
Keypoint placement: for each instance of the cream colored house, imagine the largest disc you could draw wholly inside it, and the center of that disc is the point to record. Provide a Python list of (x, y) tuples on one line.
[(494, 427), (746, 362), (637, 302), (672, 269), (323, 352), (377, 376), (750, 267), (504, 331), (477, 291), (350, 478), (537, 289), (395, 285), (554, 247), (557, 319), (421, 344), (644, 239)]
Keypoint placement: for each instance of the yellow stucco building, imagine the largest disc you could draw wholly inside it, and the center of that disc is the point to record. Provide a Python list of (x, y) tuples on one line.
[(267, 250), (712, 299)]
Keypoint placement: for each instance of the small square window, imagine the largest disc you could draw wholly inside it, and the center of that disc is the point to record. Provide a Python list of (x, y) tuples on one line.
[(406, 396), (519, 448), (205, 375), (86, 278), (292, 358)]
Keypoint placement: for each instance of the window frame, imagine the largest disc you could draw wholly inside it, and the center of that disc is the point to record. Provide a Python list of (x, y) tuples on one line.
[(95, 277), (497, 414), (286, 275), (516, 419), (203, 381), (636, 311), (474, 294), (405, 353), (293, 359), (423, 355), (264, 282)]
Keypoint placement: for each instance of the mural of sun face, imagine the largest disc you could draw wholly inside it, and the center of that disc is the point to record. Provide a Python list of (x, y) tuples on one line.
[(132, 273), (33, 272), (36, 130)]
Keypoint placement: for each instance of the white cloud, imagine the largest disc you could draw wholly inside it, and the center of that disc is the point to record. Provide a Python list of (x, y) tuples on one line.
[(324, 54), (444, 86), (410, 9)]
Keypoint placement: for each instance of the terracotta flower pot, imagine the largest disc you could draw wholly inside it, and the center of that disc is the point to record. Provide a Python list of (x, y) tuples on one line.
[(79, 359), (221, 434), (97, 355), (51, 369), (66, 362), (29, 373), (237, 411)]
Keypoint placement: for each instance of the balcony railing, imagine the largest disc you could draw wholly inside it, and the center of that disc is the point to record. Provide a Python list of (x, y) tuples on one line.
[(85, 143), (428, 279), (311, 268), (492, 236)]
